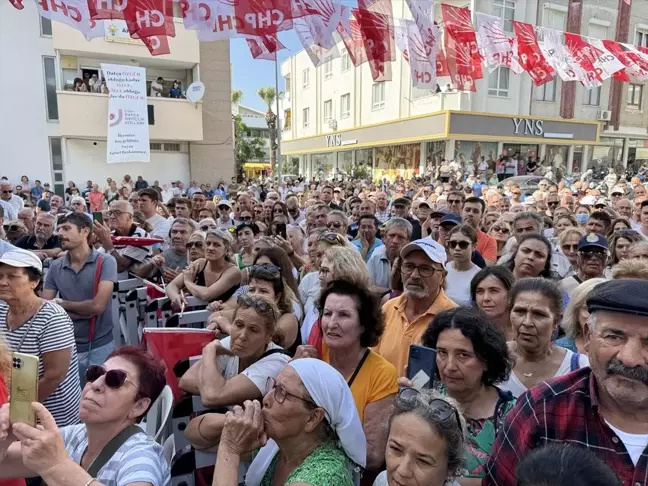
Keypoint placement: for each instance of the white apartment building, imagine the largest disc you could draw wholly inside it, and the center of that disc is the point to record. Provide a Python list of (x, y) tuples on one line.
[(51, 133), (336, 119), (257, 127)]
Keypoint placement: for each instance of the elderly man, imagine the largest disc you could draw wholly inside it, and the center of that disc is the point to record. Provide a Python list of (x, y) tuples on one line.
[(382, 207), (603, 407), (592, 259), (43, 241), (407, 317), (7, 195), (148, 200), (397, 233), (56, 205), (295, 214), (170, 262), (120, 223), (27, 217), (78, 205)]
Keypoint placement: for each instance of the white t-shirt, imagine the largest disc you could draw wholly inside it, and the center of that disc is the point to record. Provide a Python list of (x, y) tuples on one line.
[(309, 290), (635, 444), (515, 386), (259, 372), (458, 283)]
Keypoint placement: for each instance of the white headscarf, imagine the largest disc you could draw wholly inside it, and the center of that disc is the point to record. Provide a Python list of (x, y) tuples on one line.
[(329, 390)]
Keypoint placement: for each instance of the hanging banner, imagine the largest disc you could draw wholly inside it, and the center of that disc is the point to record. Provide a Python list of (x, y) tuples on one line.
[(586, 55), (74, 13), (423, 13), (415, 51), (458, 26), (606, 64), (128, 128), (377, 33), (493, 43), (146, 18), (529, 54), (317, 54), (107, 9)]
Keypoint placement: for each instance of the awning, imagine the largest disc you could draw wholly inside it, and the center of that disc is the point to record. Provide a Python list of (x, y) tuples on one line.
[(256, 165)]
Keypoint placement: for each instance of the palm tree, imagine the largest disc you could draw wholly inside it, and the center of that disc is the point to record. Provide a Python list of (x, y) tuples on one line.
[(269, 96), (237, 96)]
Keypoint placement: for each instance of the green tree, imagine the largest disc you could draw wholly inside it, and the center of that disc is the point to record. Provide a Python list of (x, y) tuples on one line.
[(269, 96), (245, 148)]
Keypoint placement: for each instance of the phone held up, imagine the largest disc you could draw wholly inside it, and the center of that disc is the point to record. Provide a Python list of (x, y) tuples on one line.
[(97, 216), (280, 230), (421, 366), (24, 388)]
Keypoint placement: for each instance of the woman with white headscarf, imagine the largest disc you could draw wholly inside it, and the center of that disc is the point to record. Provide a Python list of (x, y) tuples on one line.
[(308, 431)]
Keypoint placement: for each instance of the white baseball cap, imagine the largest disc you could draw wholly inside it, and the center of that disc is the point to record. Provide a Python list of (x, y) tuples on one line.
[(432, 249), (21, 258), (225, 202), (588, 200)]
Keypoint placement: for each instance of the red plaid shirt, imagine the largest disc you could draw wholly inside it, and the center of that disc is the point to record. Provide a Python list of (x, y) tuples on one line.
[(563, 410)]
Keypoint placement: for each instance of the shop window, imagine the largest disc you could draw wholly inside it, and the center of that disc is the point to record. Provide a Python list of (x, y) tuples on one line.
[(506, 10), (306, 78), (498, 82), (635, 95), (328, 70), (328, 111), (547, 92), (345, 61), (345, 105), (49, 71), (592, 97), (306, 117), (378, 96), (46, 27), (641, 37)]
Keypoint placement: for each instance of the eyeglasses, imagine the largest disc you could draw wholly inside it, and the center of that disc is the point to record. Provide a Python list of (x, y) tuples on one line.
[(501, 229), (454, 201), (280, 393), (424, 270), (115, 213), (207, 227), (114, 378), (590, 254), (329, 237), (199, 245), (553, 203), (569, 247), (441, 409), (460, 244), (334, 224), (266, 268), (244, 219)]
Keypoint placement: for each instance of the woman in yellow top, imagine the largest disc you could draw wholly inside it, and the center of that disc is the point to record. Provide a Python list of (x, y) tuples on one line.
[(351, 322)]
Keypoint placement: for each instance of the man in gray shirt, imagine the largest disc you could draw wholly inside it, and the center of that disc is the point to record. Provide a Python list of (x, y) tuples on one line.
[(85, 295), (170, 262)]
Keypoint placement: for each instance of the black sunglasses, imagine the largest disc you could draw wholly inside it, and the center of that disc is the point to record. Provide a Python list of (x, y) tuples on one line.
[(198, 244), (113, 378), (245, 219), (437, 407), (461, 244), (266, 268)]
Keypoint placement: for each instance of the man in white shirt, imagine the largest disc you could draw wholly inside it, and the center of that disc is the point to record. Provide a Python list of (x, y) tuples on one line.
[(148, 200), (7, 195), (157, 87)]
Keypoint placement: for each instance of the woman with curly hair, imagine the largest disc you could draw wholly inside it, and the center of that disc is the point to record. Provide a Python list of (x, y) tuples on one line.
[(619, 243)]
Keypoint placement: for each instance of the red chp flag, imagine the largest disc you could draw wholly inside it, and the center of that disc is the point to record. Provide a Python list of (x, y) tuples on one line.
[(17, 4), (586, 55), (458, 28), (530, 56), (265, 47), (157, 44), (107, 9), (378, 38), (262, 17), (147, 18)]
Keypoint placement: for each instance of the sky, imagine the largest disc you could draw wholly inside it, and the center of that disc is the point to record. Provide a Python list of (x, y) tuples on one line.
[(250, 74)]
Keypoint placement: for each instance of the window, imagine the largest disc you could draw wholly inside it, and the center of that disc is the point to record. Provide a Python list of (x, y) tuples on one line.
[(506, 10), (287, 84), (306, 78), (45, 26), (56, 158), (641, 38), (156, 146), (49, 69), (554, 19), (345, 105), (635, 95), (547, 92), (328, 70), (306, 117), (172, 147), (328, 110), (378, 96), (592, 97), (345, 61), (498, 82)]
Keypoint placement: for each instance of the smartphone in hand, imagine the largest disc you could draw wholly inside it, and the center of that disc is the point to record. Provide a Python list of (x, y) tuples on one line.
[(24, 388), (421, 366), (97, 216)]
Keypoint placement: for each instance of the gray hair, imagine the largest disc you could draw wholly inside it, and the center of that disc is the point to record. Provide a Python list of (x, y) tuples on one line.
[(578, 298), (341, 215), (221, 234), (399, 223), (186, 221), (529, 215), (452, 433), (591, 321), (77, 199)]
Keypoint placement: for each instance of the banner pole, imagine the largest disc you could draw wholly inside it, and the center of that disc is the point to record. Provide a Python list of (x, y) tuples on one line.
[(278, 123)]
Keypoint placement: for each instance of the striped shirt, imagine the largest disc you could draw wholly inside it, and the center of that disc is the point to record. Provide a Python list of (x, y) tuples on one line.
[(51, 330), (139, 460)]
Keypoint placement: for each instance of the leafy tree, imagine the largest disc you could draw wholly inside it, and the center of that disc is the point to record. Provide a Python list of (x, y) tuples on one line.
[(269, 96), (245, 148)]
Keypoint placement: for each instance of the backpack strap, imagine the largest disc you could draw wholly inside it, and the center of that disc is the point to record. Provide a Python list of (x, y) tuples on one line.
[(111, 448), (574, 364)]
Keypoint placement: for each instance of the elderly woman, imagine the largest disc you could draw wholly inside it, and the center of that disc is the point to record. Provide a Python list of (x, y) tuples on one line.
[(638, 251), (196, 246), (501, 232), (536, 309), (115, 398), (308, 432), (351, 323), (532, 257), (568, 244), (561, 223), (31, 325), (426, 441), (211, 278), (575, 318), (489, 291)]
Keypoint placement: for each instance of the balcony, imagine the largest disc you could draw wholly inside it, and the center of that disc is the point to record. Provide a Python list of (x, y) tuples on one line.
[(185, 47), (85, 115)]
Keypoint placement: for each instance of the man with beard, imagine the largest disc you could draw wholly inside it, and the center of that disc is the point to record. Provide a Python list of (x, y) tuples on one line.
[(603, 407), (407, 317), (172, 261), (397, 233), (592, 259), (43, 242), (85, 295)]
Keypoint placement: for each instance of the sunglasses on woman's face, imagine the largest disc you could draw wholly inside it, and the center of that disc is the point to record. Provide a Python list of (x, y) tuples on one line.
[(461, 244), (501, 229), (244, 219), (207, 227), (197, 244), (334, 224), (113, 378)]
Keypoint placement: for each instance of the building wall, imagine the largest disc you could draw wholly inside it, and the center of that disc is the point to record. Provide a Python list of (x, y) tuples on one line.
[(24, 129)]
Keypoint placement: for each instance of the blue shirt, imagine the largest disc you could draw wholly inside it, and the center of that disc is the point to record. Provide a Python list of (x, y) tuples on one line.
[(37, 192), (358, 245)]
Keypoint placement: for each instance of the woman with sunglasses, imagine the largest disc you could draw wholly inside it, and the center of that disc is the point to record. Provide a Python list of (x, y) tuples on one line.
[(568, 244), (425, 444), (116, 397), (196, 246), (211, 278), (337, 222), (461, 243), (501, 232), (307, 432), (246, 234)]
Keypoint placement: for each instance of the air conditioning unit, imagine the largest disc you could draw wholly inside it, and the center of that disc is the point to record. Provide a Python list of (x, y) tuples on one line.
[(603, 115), (332, 124)]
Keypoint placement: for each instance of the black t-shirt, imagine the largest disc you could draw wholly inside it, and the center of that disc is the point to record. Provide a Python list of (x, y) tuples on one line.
[(29, 243)]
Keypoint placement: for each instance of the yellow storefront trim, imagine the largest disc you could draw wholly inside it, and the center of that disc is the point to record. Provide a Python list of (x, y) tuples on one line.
[(366, 145), (255, 165)]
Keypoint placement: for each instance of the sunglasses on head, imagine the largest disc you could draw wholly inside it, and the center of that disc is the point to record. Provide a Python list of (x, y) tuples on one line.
[(437, 407), (196, 244), (265, 267), (113, 378), (12, 227), (329, 237), (501, 229)]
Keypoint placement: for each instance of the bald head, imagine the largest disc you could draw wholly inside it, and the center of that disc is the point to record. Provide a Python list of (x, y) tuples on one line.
[(624, 208)]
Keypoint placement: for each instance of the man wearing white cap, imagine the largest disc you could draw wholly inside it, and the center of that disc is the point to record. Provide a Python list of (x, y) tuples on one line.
[(408, 316), (225, 220)]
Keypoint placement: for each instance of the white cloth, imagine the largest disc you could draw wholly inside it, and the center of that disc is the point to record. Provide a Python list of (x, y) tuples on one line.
[(329, 390), (309, 290), (458, 284), (381, 480), (635, 444)]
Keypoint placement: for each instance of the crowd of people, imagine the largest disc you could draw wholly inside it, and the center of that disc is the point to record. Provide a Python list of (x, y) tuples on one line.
[(535, 302)]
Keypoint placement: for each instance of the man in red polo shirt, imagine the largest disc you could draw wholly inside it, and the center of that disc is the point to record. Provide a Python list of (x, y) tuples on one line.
[(472, 213)]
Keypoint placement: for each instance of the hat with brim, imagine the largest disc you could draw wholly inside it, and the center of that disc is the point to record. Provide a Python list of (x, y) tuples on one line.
[(452, 219), (21, 258), (225, 202), (593, 240), (432, 249), (619, 296)]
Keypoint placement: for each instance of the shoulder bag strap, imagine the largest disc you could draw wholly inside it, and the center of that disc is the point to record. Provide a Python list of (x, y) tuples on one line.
[(113, 446), (358, 368), (574, 364), (95, 289)]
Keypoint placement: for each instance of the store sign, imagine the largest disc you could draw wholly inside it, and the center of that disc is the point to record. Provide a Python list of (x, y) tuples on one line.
[(335, 140), (524, 126)]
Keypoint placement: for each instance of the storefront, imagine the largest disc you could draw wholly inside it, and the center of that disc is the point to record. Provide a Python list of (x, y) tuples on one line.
[(412, 146)]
